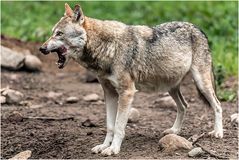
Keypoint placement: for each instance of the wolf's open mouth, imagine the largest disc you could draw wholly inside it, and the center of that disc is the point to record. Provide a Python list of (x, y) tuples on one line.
[(61, 52)]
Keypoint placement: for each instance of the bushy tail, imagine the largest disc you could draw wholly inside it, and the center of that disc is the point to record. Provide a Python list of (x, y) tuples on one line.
[(202, 66)]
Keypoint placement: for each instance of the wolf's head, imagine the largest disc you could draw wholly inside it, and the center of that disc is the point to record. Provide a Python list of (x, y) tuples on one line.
[(68, 36)]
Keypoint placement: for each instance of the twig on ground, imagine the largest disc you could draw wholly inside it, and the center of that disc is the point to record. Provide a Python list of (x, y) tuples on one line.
[(211, 153), (50, 118), (199, 137)]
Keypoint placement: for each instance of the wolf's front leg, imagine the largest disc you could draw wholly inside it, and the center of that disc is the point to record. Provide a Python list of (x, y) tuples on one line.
[(125, 100), (111, 101)]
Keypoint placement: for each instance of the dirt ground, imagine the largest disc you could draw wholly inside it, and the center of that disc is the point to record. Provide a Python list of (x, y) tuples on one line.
[(69, 139)]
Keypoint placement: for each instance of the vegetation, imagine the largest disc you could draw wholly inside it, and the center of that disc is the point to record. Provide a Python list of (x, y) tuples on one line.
[(32, 21)]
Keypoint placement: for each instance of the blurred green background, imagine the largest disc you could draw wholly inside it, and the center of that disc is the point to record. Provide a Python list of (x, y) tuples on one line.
[(32, 21)]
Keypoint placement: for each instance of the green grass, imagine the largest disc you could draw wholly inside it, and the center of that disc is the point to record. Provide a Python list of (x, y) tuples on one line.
[(32, 21)]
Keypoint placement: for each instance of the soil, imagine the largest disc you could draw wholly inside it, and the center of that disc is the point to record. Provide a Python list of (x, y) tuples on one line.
[(70, 139)]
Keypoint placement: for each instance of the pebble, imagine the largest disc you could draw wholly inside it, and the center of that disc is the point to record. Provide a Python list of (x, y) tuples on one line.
[(166, 102), (15, 117), (90, 77), (133, 115), (22, 155), (91, 97), (235, 118), (72, 100), (53, 95), (3, 99), (12, 96), (173, 142), (195, 152), (88, 123)]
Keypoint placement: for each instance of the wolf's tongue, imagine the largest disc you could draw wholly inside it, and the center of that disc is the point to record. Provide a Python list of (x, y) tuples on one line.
[(63, 50), (61, 60)]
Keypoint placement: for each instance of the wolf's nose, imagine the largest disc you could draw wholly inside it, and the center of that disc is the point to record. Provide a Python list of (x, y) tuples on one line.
[(43, 50)]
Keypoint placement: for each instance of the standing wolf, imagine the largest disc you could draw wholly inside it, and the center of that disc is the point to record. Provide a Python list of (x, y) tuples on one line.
[(129, 58)]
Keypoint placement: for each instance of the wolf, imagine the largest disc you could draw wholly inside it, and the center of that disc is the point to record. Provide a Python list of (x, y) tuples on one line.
[(128, 58)]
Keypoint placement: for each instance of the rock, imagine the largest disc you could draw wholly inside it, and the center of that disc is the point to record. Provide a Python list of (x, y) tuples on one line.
[(14, 77), (3, 99), (11, 59), (22, 155), (12, 96), (53, 95), (90, 77), (3, 89), (15, 117), (166, 102), (88, 123), (133, 115), (26, 103), (235, 118), (99, 102), (195, 152), (32, 63), (91, 97), (72, 100), (173, 142)]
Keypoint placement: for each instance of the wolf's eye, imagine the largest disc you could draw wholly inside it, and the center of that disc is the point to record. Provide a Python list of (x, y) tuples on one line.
[(59, 33)]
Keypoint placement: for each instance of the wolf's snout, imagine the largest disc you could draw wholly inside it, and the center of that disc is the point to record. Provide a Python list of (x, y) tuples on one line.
[(43, 50)]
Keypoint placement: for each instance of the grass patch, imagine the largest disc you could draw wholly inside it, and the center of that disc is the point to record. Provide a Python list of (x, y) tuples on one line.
[(32, 21)]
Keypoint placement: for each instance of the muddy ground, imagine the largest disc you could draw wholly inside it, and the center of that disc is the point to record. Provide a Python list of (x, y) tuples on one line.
[(70, 139)]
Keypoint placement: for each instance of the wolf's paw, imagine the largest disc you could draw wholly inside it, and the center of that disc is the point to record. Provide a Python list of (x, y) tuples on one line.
[(170, 131), (110, 151), (216, 133), (99, 148)]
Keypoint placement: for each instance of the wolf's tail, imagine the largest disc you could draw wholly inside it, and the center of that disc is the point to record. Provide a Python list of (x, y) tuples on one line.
[(202, 66)]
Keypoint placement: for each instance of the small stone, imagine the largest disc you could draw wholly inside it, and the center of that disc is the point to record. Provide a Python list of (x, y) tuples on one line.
[(22, 155), (90, 77), (88, 123), (91, 97), (32, 63), (173, 142), (3, 99), (13, 96), (133, 115), (166, 102), (192, 100), (53, 95), (72, 100), (195, 152), (15, 117), (14, 77), (235, 118), (98, 103), (26, 103), (4, 89)]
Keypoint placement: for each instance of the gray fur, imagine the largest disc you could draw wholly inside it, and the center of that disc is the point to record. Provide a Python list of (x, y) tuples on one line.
[(127, 57)]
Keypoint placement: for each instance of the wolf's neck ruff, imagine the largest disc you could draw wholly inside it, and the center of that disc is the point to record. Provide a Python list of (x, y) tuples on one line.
[(101, 46)]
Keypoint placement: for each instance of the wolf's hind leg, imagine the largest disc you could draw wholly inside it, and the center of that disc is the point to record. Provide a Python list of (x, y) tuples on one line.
[(111, 100), (181, 110), (204, 82)]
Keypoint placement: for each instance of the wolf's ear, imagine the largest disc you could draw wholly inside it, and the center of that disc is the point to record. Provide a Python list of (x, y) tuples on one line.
[(78, 14), (68, 10)]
